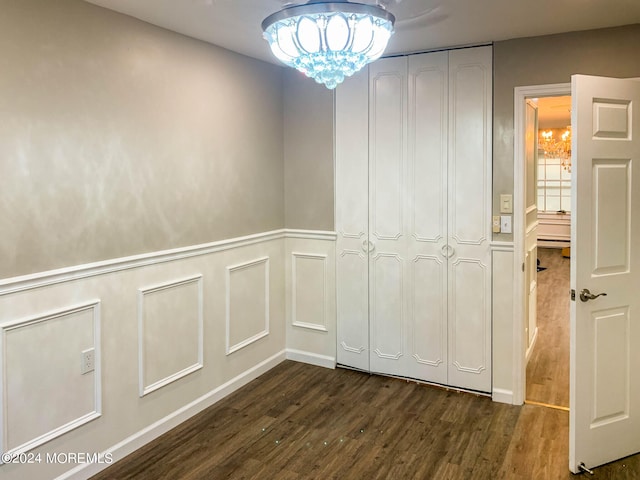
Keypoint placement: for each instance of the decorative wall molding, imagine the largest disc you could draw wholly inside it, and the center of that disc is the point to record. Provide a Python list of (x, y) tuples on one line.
[(258, 277), (94, 307), (294, 291), (529, 351), (257, 335), (531, 228), (69, 274), (145, 389), (311, 234), (497, 246)]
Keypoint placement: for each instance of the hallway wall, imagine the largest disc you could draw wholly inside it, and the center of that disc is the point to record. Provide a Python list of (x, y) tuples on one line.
[(550, 59)]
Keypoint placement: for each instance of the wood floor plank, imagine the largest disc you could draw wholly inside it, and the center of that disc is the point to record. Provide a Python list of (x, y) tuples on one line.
[(305, 422), (548, 367)]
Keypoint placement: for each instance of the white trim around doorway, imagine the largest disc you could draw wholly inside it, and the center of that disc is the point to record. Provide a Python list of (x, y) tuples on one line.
[(521, 94)]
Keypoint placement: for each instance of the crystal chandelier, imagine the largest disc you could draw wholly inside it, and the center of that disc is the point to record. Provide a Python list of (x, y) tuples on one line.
[(328, 41), (560, 149)]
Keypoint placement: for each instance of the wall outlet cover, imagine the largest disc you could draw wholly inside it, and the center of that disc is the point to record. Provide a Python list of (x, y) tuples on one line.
[(505, 223), (88, 361)]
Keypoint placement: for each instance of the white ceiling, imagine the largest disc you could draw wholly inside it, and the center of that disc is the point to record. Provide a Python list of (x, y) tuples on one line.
[(554, 112), (421, 24)]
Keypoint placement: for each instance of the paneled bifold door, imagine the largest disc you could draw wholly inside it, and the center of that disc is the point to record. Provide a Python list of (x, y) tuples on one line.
[(413, 216)]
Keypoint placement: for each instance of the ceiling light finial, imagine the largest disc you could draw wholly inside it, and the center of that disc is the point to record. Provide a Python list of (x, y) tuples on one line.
[(328, 41)]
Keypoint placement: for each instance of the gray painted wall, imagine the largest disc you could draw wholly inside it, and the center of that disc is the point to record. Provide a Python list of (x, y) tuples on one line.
[(308, 153), (611, 52), (520, 62), (120, 138)]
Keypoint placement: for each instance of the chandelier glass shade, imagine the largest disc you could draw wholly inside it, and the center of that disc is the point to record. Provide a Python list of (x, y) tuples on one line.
[(328, 41), (557, 148)]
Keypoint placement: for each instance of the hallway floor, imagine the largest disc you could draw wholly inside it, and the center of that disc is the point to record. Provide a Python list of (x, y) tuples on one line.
[(548, 367)]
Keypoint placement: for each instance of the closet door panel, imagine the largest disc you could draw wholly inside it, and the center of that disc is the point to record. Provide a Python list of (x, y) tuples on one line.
[(427, 146), (469, 199), (427, 211), (468, 159), (387, 145), (428, 334), (387, 215), (387, 314), (469, 348), (352, 219), (353, 309)]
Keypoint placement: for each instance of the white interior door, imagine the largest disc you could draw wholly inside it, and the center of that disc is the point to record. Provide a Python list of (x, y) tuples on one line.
[(605, 237)]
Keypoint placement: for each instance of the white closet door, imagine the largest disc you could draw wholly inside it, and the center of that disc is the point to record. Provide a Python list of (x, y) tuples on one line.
[(427, 216), (413, 217), (352, 217), (469, 188), (388, 273)]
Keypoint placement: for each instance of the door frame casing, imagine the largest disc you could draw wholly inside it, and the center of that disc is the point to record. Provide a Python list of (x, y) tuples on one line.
[(521, 94)]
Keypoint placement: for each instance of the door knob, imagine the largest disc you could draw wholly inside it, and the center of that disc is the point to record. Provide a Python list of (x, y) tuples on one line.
[(586, 295)]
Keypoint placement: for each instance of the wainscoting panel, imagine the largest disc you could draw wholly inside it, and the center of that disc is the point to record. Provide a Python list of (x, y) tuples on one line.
[(161, 323), (169, 320), (44, 392), (504, 359), (309, 291), (311, 303), (247, 303)]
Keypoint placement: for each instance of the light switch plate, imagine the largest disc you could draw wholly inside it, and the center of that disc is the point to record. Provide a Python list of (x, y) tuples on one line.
[(505, 223), (506, 203)]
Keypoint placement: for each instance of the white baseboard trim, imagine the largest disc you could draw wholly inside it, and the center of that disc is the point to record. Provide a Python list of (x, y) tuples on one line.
[(146, 435), (500, 395), (311, 358)]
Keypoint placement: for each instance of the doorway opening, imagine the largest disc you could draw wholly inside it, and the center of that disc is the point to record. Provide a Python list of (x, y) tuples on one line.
[(547, 369), (525, 223)]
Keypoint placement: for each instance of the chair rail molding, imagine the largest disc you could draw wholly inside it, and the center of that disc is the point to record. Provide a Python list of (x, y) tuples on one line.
[(21, 283)]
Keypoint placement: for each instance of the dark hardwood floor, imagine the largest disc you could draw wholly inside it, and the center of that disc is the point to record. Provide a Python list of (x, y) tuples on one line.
[(548, 367), (299, 421)]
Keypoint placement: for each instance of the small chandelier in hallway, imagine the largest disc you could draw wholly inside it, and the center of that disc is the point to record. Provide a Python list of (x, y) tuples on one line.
[(560, 149), (328, 41)]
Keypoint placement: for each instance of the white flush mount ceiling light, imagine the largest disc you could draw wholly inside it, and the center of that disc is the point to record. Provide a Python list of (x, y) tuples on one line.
[(328, 41)]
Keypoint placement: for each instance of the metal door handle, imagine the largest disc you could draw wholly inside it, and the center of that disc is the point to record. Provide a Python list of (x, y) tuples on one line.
[(586, 295)]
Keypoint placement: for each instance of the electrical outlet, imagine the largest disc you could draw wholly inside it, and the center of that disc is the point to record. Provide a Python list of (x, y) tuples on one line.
[(88, 361), (496, 224)]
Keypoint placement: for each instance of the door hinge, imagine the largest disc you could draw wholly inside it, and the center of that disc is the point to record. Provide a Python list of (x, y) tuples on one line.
[(573, 295), (523, 266)]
